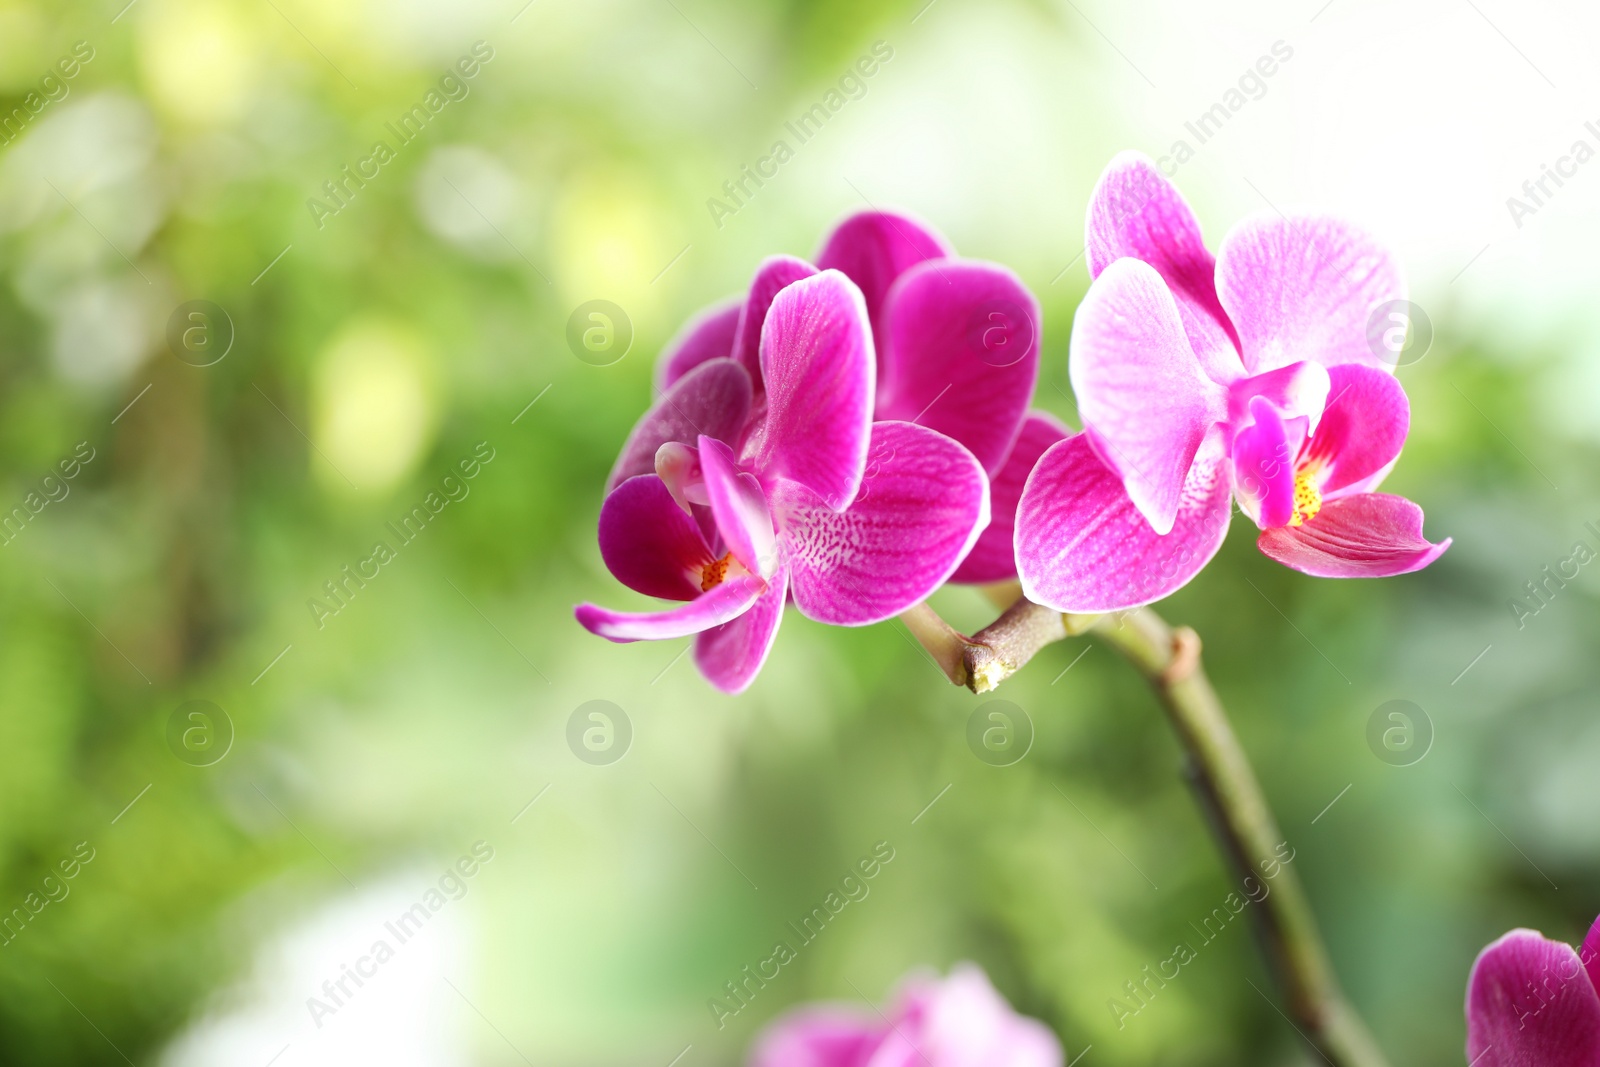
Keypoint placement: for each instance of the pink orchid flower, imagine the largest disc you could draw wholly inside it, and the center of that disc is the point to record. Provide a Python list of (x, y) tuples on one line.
[(1248, 375), (856, 520), (957, 351), (957, 1022), (1532, 1002)]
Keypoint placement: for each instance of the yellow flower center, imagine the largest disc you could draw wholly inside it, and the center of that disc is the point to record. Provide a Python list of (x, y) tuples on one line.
[(1307, 497), (712, 574)]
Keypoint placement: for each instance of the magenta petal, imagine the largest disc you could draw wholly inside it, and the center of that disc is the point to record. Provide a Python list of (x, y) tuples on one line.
[(731, 655), (712, 399), (874, 248), (1083, 547), (961, 354), (650, 543), (774, 274), (921, 507), (819, 1036), (1590, 954), (1298, 389), (1264, 454), (1303, 288), (994, 557), (1366, 535), (707, 336), (724, 602), (739, 507), (1529, 1004), (1362, 430), (816, 357), (1141, 392), (964, 1022), (1135, 212)]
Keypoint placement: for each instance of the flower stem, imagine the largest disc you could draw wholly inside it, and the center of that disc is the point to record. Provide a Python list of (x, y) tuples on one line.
[(1222, 778)]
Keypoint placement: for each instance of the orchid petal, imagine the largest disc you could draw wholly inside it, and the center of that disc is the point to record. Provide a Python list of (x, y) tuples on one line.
[(1264, 454), (740, 508), (712, 399), (1530, 1004), (1590, 954), (1141, 393), (1303, 288), (816, 355), (706, 336), (731, 655), (1083, 547), (774, 274), (1362, 431), (961, 354), (1136, 212), (1298, 389), (650, 543), (721, 604), (1365, 535), (922, 505), (873, 248), (994, 557)]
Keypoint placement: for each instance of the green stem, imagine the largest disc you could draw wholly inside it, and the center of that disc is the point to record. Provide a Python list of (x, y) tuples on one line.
[(1223, 779)]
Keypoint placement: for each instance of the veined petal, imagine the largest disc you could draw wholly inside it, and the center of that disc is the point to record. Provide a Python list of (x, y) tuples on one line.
[(731, 655), (740, 508), (650, 543), (994, 557), (1303, 288), (1364, 535), (1083, 547), (873, 248), (1362, 430), (775, 273), (921, 508), (816, 356), (1135, 212), (961, 354), (1141, 392), (1530, 1004), (707, 335), (713, 398), (721, 604)]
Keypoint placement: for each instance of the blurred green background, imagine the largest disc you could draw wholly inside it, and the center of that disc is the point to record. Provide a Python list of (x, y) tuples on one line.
[(372, 748)]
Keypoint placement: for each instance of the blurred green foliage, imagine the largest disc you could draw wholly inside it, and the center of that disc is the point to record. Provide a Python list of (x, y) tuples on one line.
[(371, 354)]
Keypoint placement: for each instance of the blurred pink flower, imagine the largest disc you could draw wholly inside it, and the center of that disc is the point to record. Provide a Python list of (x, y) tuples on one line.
[(959, 1021), (1249, 376), (1532, 1002)]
